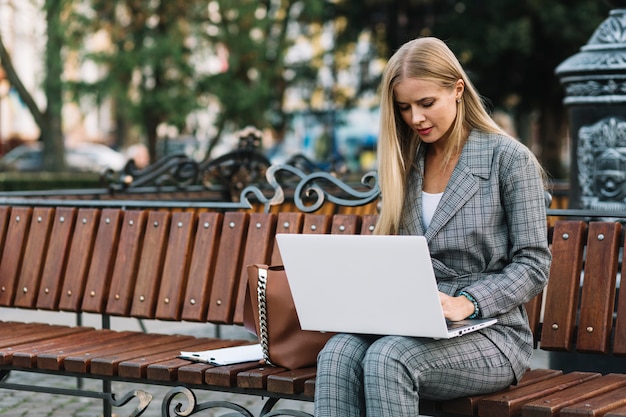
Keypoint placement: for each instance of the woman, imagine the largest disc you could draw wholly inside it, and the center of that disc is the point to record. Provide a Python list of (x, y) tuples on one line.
[(447, 172)]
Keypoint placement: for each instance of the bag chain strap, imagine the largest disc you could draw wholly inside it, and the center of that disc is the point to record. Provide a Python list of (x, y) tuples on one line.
[(261, 296)]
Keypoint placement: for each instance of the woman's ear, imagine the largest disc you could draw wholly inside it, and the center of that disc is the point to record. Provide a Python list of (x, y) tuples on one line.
[(459, 88)]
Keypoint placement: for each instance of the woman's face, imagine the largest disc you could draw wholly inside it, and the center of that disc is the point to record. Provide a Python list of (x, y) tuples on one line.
[(426, 107)]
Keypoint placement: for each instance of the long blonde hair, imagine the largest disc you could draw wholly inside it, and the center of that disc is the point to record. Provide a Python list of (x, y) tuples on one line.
[(427, 59)]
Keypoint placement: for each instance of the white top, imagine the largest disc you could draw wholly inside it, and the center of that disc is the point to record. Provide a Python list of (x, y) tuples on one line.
[(429, 205)]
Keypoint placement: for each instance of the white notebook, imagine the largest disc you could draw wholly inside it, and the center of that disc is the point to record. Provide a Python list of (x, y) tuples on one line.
[(367, 284)]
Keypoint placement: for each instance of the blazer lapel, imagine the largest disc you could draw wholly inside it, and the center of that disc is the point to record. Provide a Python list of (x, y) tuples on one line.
[(473, 164)]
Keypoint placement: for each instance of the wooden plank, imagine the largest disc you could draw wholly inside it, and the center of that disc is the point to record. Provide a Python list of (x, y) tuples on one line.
[(103, 261), (510, 403), (167, 370), (551, 405), (469, 405), (11, 261), (79, 259), (228, 268), (368, 224), (53, 358), (53, 338), (257, 377), (202, 267), (317, 223), (150, 265), (617, 412), (226, 375), (5, 215), (290, 382), (193, 373), (346, 224), (134, 345), (597, 406), (563, 288), (138, 367), (598, 294), (34, 257), (56, 258), (259, 245), (287, 223), (619, 335), (176, 266), (108, 364), (126, 266)]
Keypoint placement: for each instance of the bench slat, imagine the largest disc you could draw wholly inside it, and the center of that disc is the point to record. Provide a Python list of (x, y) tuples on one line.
[(619, 343), (138, 367), (56, 258), (193, 373), (257, 377), (55, 336), (34, 257), (290, 382), (134, 344), (368, 224), (510, 403), (226, 376), (617, 412), (102, 261), (79, 259), (316, 223), (150, 265), (469, 405), (552, 404), (598, 293), (202, 267), (287, 223), (228, 268), (259, 246), (563, 288), (167, 370), (126, 266), (27, 357), (5, 216), (176, 266), (346, 224), (597, 406), (107, 364), (17, 232), (55, 360)]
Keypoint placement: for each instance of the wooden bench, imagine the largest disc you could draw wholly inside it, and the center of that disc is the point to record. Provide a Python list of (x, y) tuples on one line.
[(187, 265)]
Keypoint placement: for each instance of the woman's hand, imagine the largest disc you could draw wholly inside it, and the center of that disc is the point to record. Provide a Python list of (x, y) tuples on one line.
[(456, 308)]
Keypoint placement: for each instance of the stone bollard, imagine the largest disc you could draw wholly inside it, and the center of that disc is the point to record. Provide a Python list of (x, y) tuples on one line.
[(595, 95)]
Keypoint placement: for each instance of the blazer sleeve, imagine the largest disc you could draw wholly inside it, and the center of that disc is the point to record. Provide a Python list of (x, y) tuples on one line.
[(522, 194)]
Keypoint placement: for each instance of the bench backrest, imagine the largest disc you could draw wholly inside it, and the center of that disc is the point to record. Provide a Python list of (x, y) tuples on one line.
[(166, 265), (190, 265), (581, 307)]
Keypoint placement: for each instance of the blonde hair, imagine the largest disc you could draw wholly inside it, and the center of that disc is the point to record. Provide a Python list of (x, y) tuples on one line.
[(427, 59)]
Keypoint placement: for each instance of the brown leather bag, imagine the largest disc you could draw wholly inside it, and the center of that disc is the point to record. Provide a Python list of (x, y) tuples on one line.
[(270, 313)]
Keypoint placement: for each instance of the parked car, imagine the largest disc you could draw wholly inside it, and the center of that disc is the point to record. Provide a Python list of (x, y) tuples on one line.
[(86, 157)]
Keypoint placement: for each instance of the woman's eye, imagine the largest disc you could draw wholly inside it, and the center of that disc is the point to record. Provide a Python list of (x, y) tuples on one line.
[(428, 104)]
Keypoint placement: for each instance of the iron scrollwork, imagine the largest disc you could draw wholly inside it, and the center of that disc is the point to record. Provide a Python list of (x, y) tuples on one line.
[(310, 194), (191, 406)]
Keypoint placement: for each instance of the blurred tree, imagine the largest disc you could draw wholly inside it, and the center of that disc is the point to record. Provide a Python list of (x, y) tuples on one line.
[(510, 48), (48, 120)]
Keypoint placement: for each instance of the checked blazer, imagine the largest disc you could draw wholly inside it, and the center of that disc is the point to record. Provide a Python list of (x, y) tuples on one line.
[(488, 235)]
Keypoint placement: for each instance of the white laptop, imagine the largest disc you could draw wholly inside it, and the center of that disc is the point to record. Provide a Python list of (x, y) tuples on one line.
[(367, 284)]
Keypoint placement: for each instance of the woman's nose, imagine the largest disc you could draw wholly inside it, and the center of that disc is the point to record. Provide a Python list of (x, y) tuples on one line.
[(417, 117)]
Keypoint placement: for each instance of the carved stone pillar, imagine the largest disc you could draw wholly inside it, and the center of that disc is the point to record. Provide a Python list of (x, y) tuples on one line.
[(595, 95)]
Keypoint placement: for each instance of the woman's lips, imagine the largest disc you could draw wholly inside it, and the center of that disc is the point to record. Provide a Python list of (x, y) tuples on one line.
[(423, 132)]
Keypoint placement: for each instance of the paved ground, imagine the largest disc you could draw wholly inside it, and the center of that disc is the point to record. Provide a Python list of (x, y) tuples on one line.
[(22, 404)]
